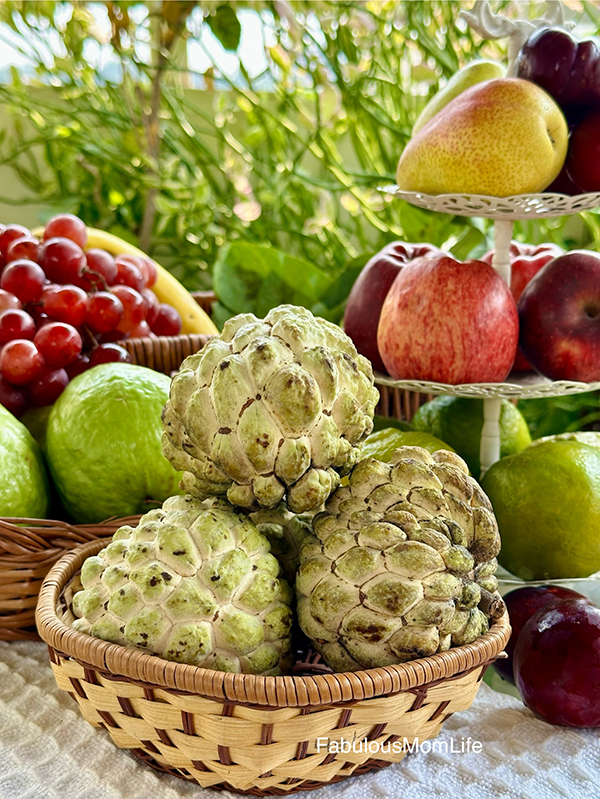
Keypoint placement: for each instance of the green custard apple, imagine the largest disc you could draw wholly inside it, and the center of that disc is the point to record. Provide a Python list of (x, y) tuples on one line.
[(399, 562), (271, 410), (103, 443), (195, 583)]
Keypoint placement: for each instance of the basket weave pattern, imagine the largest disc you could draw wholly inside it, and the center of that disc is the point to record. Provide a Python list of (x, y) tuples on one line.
[(251, 733), (28, 549)]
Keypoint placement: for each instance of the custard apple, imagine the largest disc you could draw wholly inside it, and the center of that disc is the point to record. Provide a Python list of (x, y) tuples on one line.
[(285, 532), (398, 563), (271, 410), (195, 583)]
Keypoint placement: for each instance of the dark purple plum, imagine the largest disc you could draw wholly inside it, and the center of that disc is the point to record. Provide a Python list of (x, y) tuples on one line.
[(522, 604), (557, 663)]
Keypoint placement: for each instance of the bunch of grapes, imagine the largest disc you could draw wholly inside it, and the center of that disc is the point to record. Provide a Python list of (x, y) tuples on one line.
[(62, 309)]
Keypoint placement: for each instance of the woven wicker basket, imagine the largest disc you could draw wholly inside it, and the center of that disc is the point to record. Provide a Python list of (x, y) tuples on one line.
[(28, 549), (259, 735)]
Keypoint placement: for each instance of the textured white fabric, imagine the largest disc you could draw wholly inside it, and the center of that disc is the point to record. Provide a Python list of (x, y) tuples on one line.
[(47, 751)]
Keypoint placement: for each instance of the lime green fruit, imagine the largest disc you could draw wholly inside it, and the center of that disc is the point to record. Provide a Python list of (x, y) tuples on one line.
[(547, 503), (383, 422), (469, 75), (36, 421), (104, 443), (382, 444), (23, 482), (459, 422)]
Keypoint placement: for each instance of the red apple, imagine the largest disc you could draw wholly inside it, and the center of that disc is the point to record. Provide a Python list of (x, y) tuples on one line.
[(449, 322), (526, 260), (370, 290), (557, 663), (559, 317), (583, 159)]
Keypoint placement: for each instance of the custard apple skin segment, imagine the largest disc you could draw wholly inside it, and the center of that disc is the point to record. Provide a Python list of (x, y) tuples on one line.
[(195, 583), (270, 411), (397, 563)]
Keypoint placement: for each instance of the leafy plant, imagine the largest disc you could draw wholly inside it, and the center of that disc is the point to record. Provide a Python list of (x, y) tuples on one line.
[(292, 158)]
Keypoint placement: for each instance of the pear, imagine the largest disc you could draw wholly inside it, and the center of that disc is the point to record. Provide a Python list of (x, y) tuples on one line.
[(501, 137), (471, 74)]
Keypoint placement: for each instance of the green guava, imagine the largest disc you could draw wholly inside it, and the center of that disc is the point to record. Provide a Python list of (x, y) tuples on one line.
[(23, 481), (103, 443)]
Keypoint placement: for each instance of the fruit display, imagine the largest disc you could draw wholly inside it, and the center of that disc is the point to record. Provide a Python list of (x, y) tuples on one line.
[(557, 663), (23, 481), (65, 300), (459, 421), (272, 413), (272, 408), (470, 337), (499, 138), (522, 604), (547, 503), (195, 583), (363, 309), (103, 443), (402, 562), (559, 318)]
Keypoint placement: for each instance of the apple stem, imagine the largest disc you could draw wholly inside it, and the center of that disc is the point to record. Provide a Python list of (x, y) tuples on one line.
[(503, 230), (489, 448)]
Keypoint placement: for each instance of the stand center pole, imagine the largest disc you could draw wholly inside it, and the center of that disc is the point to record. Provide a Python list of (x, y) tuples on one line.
[(503, 230)]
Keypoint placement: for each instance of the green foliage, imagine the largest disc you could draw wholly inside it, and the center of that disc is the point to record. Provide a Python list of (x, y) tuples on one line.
[(292, 159), (548, 417)]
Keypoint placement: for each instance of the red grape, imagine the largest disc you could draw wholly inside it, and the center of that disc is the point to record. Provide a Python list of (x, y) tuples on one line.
[(141, 331), (9, 234), (25, 247), (66, 226), (167, 322), (134, 310), (67, 304), (25, 279), (62, 260), (48, 387), (11, 397), (109, 353), (152, 272), (152, 305), (128, 274), (114, 335), (105, 312), (15, 323), (79, 365), (8, 300), (59, 343), (103, 265), (20, 362)]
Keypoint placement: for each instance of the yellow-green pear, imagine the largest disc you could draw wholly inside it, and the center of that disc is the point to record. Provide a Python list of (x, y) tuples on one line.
[(471, 74), (501, 137)]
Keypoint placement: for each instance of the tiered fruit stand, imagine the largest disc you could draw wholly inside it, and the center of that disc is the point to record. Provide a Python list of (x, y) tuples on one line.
[(504, 211)]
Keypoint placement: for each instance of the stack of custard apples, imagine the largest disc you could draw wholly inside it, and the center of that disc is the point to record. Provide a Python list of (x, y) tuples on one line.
[(393, 563), (420, 314)]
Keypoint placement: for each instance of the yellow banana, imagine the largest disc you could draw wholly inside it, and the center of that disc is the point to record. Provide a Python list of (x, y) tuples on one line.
[(167, 288)]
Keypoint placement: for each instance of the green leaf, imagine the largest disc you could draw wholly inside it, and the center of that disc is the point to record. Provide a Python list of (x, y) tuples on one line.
[(226, 27), (255, 278)]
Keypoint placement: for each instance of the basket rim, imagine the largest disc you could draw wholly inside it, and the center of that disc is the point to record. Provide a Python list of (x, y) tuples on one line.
[(280, 692)]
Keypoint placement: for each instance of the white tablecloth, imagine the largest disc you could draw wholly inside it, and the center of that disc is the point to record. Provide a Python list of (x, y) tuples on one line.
[(47, 751)]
